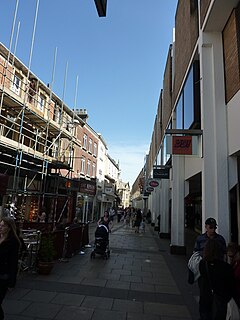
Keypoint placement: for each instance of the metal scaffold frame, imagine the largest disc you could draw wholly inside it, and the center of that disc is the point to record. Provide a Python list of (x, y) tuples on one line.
[(36, 132)]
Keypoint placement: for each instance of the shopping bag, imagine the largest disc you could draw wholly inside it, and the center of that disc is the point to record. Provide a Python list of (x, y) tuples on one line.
[(232, 311), (193, 265)]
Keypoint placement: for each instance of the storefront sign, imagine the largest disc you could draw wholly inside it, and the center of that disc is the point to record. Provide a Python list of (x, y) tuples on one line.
[(153, 183), (149, 189), (182, 145), (108, 189), (162, 173), (88, 188)]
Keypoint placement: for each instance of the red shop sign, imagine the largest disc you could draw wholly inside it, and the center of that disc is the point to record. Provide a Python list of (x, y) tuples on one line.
[(182, 145), (153, 183)]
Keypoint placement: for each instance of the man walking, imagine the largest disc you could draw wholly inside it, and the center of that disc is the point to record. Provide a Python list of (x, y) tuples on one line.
[(210, 226), (201, 241)]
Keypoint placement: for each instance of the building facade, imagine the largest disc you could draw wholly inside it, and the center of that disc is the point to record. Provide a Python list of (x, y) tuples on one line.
[(123, 191), (195, 136), (48, 152)]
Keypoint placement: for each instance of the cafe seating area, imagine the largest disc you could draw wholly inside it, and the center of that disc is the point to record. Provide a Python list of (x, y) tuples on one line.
[(67, 241)]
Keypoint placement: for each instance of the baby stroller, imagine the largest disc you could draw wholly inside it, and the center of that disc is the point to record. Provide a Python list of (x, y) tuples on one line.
[(101, 242)]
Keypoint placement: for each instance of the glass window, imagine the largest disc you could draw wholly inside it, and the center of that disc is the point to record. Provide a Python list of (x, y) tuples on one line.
[(165, 155), (94, 149), (41, 103), (85, 141), (88, 167), (57, 113), (16, 84), (90, 145), (179, 113), (188, 101), (93, 169), (83, 165)]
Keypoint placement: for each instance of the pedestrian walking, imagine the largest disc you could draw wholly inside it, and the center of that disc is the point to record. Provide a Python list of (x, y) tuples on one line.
[(138, 220), (210, 233), (233, 253), (216, 282), (9, 253), (201, 241), (149, 216), (106, 221)]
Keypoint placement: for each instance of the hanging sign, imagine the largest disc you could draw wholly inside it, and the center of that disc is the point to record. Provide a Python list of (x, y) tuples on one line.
[(161, 173), (149, 189), (182, 145), (153, 183)]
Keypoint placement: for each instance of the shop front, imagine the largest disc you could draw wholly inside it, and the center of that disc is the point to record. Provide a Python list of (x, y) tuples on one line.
[(85, 200)]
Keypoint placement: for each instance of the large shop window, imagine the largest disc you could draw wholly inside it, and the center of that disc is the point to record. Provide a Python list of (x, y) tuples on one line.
[(179, 113), (188, 101), (188, 106), (165, 156)]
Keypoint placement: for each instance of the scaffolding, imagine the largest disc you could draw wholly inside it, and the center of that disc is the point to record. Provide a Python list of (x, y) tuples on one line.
[(36, 140)]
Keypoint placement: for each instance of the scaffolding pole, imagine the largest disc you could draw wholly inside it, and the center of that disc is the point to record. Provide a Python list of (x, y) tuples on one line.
[(61, 124), (9, 52), (46, 147), (19, 150)]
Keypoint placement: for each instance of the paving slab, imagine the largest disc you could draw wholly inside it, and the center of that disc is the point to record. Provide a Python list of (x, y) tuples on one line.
[(42, 310), (74, 313), (68, 299), (139, 281), (108, 315), (98, 303)]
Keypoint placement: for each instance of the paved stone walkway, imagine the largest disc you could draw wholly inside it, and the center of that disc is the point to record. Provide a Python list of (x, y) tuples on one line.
[(140, 281)]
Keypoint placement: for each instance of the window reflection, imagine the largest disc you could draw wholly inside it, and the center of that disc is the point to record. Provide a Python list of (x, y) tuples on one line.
[(179, 113), (188, 101)]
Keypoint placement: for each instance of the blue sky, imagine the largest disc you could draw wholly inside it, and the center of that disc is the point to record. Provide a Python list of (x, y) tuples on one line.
[(119, 61)]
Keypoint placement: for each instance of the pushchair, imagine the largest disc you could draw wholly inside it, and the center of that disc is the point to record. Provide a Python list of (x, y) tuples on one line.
[(101, 242)]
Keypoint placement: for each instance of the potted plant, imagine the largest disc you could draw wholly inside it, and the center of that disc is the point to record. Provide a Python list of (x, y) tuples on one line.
[(46, 253)]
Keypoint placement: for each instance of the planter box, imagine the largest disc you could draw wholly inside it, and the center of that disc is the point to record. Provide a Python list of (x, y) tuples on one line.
[(45, 268)]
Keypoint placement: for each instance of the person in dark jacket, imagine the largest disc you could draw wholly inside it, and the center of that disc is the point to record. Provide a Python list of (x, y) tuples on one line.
[(9, 252), (216, 283), (138, 220), (210, 226), (233, 252)]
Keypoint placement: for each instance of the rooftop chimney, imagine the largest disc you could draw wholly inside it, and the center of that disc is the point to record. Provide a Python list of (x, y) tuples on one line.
[(82, 113)]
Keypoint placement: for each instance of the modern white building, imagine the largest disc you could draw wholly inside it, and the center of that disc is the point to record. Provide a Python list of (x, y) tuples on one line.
[(195, 147)]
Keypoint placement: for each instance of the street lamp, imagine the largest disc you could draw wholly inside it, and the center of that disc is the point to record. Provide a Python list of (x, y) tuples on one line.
[(101, 6), (85, 209)]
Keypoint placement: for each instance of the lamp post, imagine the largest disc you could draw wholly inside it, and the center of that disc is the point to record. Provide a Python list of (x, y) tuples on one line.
[(85, 209), (101, 6)]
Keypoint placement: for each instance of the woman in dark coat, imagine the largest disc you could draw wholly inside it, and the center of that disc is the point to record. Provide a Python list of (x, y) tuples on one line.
[(216, 283), (138, 220), (9, 249)]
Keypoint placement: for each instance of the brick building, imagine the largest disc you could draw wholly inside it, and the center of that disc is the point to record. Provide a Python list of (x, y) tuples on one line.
[(48, 152)]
